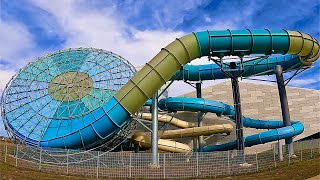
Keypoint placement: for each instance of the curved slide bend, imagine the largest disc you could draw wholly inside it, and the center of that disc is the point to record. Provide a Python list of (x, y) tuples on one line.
[(143, 139), (197, 104), (127, 101)]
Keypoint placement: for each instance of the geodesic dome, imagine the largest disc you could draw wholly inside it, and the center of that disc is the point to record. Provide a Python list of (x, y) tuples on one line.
[(56, 95)]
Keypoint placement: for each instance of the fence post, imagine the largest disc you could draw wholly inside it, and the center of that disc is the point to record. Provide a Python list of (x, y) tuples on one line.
[(130, 164), (40, 156), (164, 165), (274, 156), (229, 171), (280, 151), (68, 161), (275, 148), (5, 151), (197, 164), (289, 156), (17, 150), (97, 175), (257, 161)]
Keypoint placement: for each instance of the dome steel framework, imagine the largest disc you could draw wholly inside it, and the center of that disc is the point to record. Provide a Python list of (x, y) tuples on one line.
[(55, 95)]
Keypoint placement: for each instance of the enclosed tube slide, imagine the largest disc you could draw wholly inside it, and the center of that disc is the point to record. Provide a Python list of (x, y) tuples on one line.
[(172, 120), (143, 139), (128, 100), (198, 104)]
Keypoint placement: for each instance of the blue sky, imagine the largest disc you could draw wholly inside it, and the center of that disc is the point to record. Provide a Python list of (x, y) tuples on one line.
[(137, 30)]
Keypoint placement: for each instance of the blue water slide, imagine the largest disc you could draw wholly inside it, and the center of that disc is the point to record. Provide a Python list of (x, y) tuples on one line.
[(278, 132), (257, 67)]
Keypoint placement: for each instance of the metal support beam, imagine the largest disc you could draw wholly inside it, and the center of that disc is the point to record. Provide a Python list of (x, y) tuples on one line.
[(139, 121), (199, 95), (136, 148), (195, 144), (154, 140), (238, 113), (284, 105), (237, 109), (235, 71)]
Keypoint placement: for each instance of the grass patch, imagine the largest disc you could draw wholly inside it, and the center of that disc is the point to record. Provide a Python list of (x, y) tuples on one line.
[(299, 170), (10, 172), (305, 165)]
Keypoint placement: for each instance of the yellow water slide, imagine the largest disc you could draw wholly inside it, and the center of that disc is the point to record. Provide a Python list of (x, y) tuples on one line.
[(189, 129)]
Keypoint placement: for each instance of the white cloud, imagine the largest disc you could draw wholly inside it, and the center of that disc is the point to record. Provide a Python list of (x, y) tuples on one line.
[(146, 44), (16, 42), (179, 88), (207, 19), (103, 29), (5, 75), (16, 49), (82, 27)]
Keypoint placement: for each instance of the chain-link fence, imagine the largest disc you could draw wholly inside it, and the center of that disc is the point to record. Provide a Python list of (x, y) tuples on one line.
[(171, 165)]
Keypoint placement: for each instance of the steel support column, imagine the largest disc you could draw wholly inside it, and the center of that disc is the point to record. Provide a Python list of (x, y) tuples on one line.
[(199, 95), (136, 148), (195, 144), (238, 119), (154, 140), (238, 113), (284, 106)]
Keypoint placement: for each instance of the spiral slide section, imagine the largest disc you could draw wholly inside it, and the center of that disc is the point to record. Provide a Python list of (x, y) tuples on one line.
[(114, 114), (196, 104), (143, 139)]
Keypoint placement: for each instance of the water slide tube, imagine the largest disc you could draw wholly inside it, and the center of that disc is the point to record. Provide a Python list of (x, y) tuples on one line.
[(143, 139), (212, 71), (114, 114), (219, 108), (170, 119)]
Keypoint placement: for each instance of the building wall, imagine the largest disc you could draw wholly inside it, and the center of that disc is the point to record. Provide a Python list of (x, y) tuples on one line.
[(261, 101)]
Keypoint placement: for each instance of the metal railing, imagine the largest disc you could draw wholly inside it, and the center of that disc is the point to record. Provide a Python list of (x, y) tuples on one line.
[(137, 165)]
